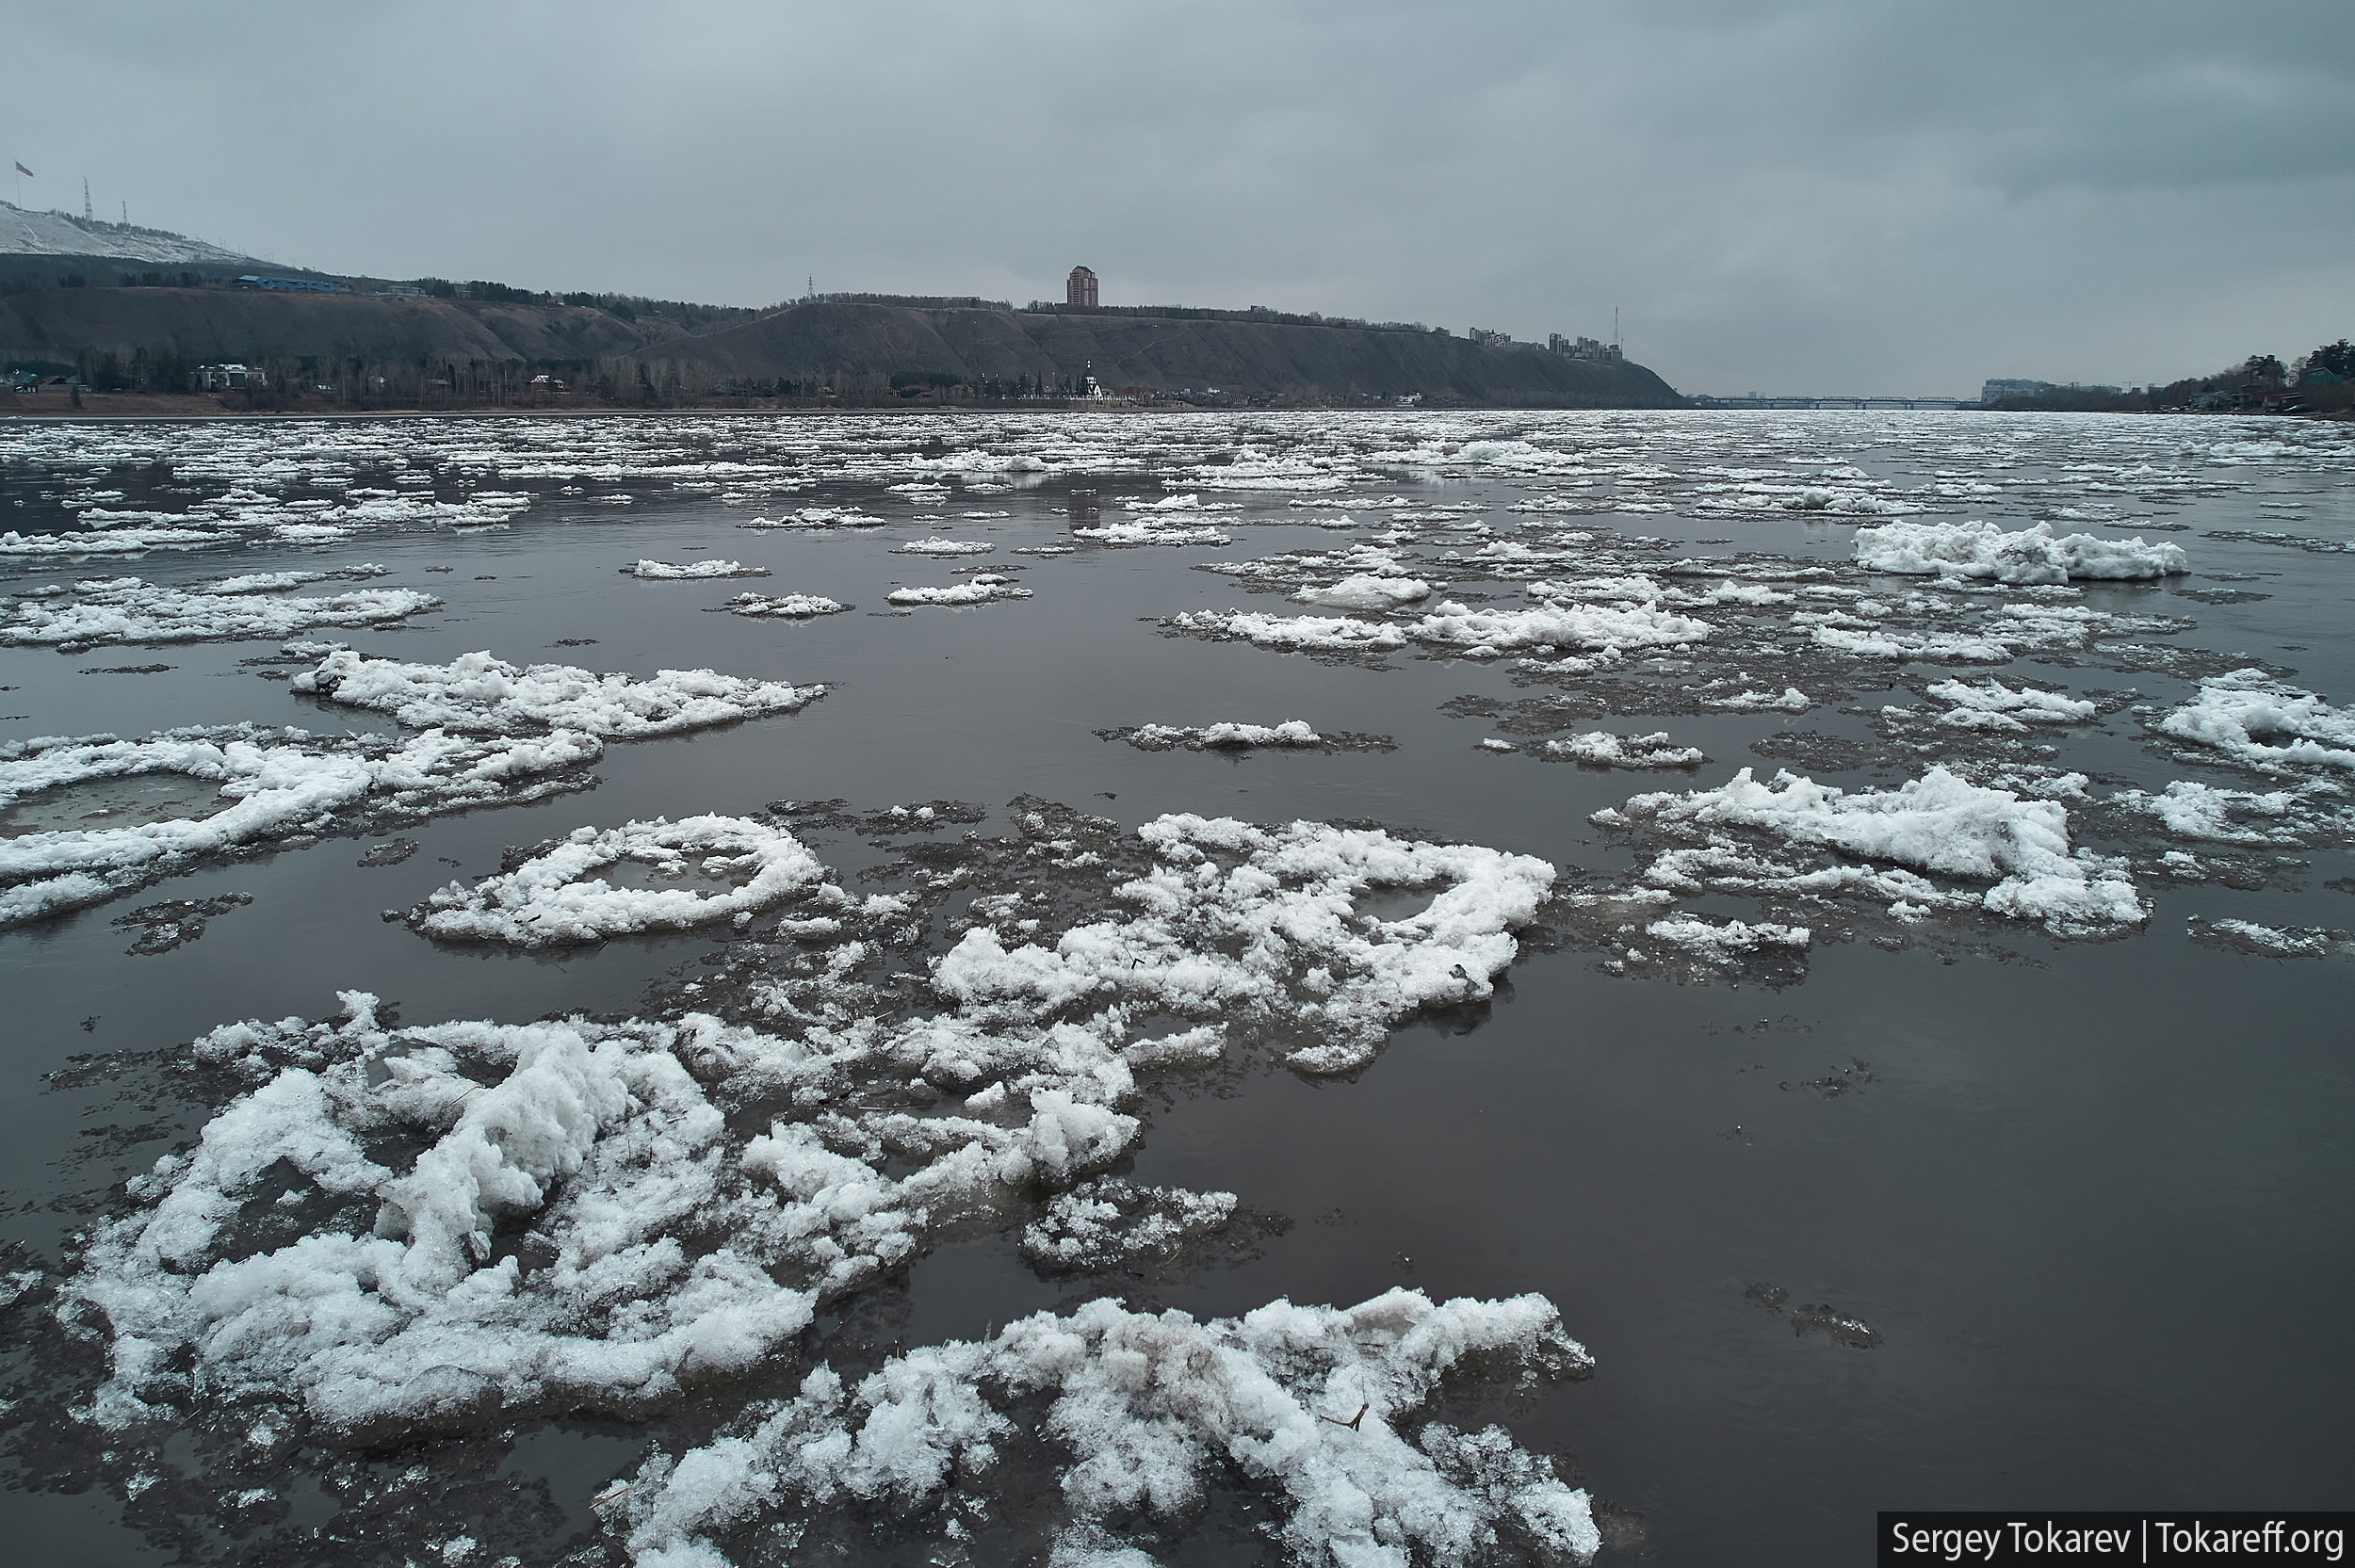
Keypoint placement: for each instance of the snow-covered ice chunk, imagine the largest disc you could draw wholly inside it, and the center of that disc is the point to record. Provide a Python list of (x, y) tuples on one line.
[(1109, 1220), (2264, 724), (1719, 941), (1313, 1404), (817, 517), (982, 588), (1603, 748), (557, 898), (1152, 531), (476, 693), (1366, 591), (1939, 822), (394, 1316), (938, 546), (125, 610), (1991, 706), (668, 571), (1490, 633), (1315, 634), (1747, 701), (111, 541), (1984, 550), (1227, 735), (270, 784), (786, 607)]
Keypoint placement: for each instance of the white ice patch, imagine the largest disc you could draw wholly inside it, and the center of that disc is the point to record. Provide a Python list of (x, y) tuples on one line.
[(1747, 701), (668, 571), (982, 588), (2198, 811), (1227, 735), (1939, 822), (1722, 941), (1313, 1405), (1313, 634), (557, 898), (2266, 725), (1984, 550), (937, 546), (1108, 1221), (1991, 706), (788, 607), (1366, 591), (1302, 957), (595, 1139), (1152, 531), (476, 693), (125, 610), (1603, 748), (113, 541), (817, 517), (278, 582), (271, 784), (1491, 634)]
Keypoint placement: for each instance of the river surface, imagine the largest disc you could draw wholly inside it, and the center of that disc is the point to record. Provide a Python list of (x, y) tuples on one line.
[(2018, 1183)]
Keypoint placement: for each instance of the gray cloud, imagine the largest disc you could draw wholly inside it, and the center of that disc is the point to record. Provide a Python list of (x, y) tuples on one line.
[(1812, 195)]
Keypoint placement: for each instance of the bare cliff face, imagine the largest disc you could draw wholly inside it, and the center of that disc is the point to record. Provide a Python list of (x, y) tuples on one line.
[(820, 343)]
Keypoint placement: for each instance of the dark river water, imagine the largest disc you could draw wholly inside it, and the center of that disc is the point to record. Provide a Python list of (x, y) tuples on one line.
[(1958, 1209)]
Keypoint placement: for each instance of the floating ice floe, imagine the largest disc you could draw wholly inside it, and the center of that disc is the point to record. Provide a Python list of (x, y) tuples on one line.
[(666, 572), (788, 606), (476, 693), (1108, 1221), (1983, 550), (112, 541), (113, 610), (937, 546), (268, 786), (1939, 823), (1224, 736), (2264, 724), (2193, 810), (556, 1215), (278, 582), (1993, 705), (817, 517), (1319, 1406), (1152, 531), (1720, 940), (1315, 634), (1747, 700), (1366, 591), (2247, 936), (1491, 634), (557, 898), (981, 589), (1603, 748)]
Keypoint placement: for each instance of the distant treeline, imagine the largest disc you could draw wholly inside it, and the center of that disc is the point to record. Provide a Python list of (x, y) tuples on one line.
[(2320, 381)]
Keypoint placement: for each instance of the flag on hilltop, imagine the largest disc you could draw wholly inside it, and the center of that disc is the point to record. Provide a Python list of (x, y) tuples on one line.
[(27, 173)]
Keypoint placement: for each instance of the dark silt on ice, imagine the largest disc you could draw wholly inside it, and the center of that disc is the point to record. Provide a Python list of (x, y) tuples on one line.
[(2053, 1212)]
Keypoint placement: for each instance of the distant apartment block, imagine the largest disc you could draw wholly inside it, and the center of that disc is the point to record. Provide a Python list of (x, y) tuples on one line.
[(1081, 289), (1582, 347), (1490, 339)]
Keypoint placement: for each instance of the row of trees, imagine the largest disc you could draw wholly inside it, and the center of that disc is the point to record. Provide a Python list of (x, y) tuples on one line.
[(2319, 382)]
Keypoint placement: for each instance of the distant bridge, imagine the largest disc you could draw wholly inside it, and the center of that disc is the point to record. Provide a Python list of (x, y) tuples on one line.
[(1702, 400)]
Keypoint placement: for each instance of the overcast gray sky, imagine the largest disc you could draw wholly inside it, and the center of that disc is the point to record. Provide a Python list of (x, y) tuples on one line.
[(1883, 196)]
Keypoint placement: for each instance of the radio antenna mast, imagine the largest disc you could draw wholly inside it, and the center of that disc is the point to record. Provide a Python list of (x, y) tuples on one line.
[(88, 216)]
